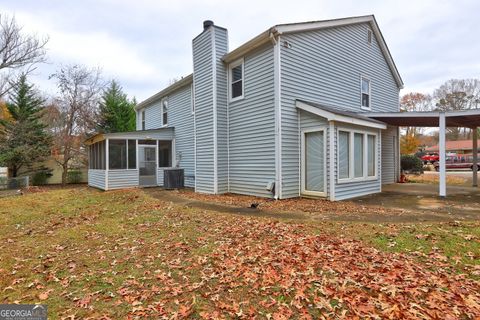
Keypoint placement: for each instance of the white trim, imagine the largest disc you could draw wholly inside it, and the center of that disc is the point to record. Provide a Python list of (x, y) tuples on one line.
[(214, 107), (351, 160), (475, 157), (234, 64), (330, 116), (302, 162), (107, 165), (369, 108), (278, 117), (192, 99), (332, 160), (442, 142)]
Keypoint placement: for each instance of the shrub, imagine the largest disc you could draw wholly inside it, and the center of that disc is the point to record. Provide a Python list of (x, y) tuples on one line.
[(411, 163), (74, 176), (40, 178)]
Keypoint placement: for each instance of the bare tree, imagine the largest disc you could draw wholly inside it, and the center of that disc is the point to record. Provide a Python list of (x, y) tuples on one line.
[(18, 51), (73, 113), (414, 102), (458, 94)]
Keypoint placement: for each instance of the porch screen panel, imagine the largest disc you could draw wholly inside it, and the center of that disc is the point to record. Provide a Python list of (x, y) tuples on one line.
[(132, 154), (314, 162), (117, 154), (343, 155), (164, 154), (358, 155)]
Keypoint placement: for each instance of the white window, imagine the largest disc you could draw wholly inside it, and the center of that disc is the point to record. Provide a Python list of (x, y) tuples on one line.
[(164, 112), (143, 119), (343, 155), (365, 87), (357, 154), (236, 78)]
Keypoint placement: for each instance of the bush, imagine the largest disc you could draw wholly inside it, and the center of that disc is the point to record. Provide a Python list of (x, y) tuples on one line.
[(74, 176), (411, 163), (40, 178)]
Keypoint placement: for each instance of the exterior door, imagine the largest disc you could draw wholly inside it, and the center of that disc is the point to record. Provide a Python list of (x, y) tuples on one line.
[(313, 163), (147, 158)]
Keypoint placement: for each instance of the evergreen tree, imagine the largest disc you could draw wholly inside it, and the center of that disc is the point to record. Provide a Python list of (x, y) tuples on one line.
[(117, 113), (24, 140)]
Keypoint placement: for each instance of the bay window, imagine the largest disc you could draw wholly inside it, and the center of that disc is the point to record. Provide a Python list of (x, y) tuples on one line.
[(357, 154)]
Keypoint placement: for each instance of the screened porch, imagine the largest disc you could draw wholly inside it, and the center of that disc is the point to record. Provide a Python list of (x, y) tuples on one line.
[(130, 159)]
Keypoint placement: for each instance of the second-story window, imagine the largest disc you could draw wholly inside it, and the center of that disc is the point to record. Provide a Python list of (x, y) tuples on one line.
[(365, 93), (236, 80), (143, 119), (164, 112)]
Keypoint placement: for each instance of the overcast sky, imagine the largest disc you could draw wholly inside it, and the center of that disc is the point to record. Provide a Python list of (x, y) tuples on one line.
[(145, 44)]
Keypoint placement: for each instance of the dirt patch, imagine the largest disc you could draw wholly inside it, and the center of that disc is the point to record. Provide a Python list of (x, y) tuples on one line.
[(380, 208)]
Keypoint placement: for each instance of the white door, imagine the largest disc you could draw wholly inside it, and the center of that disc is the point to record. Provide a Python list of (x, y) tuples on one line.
[(147, 158), (313, 163)]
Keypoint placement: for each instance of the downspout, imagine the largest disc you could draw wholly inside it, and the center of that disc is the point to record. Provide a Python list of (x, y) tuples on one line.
[(275, 38)]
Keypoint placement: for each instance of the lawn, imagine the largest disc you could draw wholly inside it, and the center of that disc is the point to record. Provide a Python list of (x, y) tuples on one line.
[(124, 254)]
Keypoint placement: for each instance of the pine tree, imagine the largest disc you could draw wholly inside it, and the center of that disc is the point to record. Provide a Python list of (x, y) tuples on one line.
[(117, 113), (24, 140)]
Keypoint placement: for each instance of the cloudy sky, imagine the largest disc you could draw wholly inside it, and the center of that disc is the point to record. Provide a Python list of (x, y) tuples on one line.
[(145, 44)]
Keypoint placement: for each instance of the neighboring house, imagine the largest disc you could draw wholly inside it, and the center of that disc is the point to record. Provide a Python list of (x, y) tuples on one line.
[(459, 146), (280, 116)]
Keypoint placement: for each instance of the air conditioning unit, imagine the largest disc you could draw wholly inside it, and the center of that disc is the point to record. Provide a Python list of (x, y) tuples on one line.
[(173, 178)]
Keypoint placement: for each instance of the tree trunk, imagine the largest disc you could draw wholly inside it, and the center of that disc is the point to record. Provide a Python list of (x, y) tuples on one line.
[(64, 174)]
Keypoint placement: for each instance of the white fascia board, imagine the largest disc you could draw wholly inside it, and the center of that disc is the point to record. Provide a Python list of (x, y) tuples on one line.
[(330, 116), (297, 27), (427, 114)]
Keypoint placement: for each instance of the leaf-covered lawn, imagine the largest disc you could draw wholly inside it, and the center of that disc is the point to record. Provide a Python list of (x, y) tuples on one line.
[(124, 254)]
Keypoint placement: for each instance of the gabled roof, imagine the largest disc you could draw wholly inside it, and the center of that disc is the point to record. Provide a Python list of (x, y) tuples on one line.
[(338, 114), (180, 83), (280, 29)]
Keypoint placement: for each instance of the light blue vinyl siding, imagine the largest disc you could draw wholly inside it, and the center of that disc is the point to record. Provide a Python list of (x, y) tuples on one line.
[(96, 178), (389, 155), (221, 48), (153, 116), (181, 118), (210, 87), (252, 128), (118, 179), (203, 84), (325, 66)]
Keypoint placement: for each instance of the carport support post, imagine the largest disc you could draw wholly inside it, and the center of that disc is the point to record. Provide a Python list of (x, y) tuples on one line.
[(443, 155), (475, 156)]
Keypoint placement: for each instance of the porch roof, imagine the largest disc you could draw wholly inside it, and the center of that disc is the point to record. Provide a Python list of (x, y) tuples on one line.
[(339, 114), (162, 133), (464, 118)]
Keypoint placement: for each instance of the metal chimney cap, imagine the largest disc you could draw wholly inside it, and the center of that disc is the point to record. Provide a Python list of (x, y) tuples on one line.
[(207, 24)]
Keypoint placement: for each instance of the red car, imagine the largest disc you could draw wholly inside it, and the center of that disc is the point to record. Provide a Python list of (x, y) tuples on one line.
[(430, 158), (459, 161)]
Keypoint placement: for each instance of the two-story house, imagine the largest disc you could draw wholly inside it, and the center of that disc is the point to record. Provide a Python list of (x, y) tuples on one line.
[(281, 116)]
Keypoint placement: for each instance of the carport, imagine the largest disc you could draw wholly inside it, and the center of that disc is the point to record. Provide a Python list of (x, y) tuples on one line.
[(442, 120)]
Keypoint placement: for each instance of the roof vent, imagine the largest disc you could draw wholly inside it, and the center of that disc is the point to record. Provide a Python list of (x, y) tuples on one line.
[(207, 23)]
